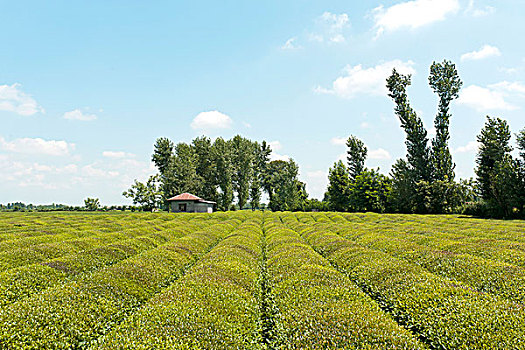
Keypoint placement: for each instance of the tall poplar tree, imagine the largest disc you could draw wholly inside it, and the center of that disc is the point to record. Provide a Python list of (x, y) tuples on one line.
[(185, 169), (339, 182), (260, 164), (221, 154), (416, 134), (205, 168), (445, 82), (495, 166), (356, 156), (163, 157), (242, 158)]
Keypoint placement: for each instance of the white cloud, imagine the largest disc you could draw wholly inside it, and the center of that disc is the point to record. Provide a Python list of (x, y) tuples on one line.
[(330, 28), (247, 125), (509, 87), (59, 182), (338, 141), (364, 125), (78, 115), (212, 120), (483, 99), (336, 22), (368, 81), (339, 38), (92, 171), (275, 145), (37, 146), (485, 52), (316, 37), (379, 153), (291, 44), (316, 183), (67, 169), (509, 70), (277, 156), (478, 12), (470, 147), (412, 14), (117, 154), (12, 99)]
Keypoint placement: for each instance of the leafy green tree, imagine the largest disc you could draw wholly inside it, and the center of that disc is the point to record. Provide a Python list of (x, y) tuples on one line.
[(520, 176), (242, 161), (314, 204), (285, 190), (356, 156), (440, 196), (402, 197), (301, 196), (369, 191), (91, 204), (221, 155), (185, 170), (444, 81), (148, 196), (416, 134), (493, 147), (260, 164), (163, 151), (338, 193), (163, 158), (495, 166), (520, 138), (205, 168)]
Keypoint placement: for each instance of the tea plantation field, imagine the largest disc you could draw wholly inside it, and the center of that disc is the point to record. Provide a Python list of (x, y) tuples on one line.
[(253, 280)]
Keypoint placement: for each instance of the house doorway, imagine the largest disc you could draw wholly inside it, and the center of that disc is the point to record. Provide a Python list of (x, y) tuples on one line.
[(182, 207)]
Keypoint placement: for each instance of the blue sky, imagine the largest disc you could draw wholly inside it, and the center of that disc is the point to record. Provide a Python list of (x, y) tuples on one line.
[(87, 87)]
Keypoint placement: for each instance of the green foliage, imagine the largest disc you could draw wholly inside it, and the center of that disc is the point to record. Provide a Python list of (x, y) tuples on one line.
[(243, 154), (314, 204), (356, 156), (444, 81), (162, 154), (91, 204), (76, 314), (185, 173), (221, 154), (253, 280), (497, 173), (285, 190), (318, 307), (205, 168), (163, 159), (369, 191), (520, 173), (339, 182), (148, 196), (214, 305), (402, 197), (416, 135), (261, 160), (440, 196), (445, 314), (221, 170)]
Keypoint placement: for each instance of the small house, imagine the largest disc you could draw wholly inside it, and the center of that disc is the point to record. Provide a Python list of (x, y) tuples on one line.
[(188, 203)]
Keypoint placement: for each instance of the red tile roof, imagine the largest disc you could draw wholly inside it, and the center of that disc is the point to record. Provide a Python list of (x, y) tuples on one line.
[(185, 197)]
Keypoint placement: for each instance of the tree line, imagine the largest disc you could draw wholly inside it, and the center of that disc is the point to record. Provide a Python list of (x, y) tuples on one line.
[(233, 173), (425, 182)]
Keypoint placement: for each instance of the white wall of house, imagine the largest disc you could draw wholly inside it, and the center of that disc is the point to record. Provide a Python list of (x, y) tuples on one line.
[(191, 207)]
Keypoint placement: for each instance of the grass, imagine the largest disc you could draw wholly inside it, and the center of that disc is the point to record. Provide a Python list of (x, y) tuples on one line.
[(252, 280)]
